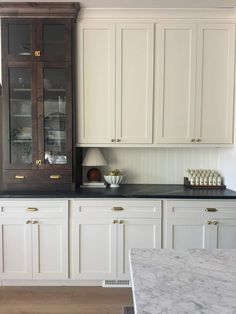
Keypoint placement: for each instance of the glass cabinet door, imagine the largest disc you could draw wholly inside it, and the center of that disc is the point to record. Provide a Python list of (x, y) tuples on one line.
[(54, 109), (20, 116), (56, 42), (18, 40)]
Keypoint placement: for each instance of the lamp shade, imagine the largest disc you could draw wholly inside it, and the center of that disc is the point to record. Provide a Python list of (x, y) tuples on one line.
[(94, 157)]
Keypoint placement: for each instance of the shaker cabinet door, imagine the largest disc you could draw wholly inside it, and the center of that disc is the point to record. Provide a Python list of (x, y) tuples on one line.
[(134, 82), (94, 248), (15, 249), (187, 234), (215, 83), (96, 78), (223, 234), (175, 71), (50, 248), (136, 233)]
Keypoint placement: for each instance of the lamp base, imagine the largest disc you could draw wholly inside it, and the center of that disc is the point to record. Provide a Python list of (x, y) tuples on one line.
[(94, 175)]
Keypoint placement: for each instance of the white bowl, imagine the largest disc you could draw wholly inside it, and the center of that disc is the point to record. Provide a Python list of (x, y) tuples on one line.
[(114, 181)]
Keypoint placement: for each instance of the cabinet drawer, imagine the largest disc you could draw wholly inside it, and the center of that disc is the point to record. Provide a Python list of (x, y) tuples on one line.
[(117, 208), (34, 208), (43, 179), (201, 208)]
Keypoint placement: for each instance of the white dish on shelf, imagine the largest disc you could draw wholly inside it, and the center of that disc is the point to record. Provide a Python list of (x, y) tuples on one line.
[(114, 181)]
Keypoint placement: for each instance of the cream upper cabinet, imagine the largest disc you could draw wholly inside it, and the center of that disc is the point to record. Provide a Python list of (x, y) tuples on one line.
[(175, 82), (115, 94), (194, 89), (215, 83), (96, 79), (134, 82)]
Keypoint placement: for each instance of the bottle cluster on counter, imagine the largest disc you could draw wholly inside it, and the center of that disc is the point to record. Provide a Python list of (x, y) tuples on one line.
[(204, 177)]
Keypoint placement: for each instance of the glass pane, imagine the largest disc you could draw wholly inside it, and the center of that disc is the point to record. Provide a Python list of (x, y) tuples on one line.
[(54, 40), (19, 39), (20, 116), (55, 116)]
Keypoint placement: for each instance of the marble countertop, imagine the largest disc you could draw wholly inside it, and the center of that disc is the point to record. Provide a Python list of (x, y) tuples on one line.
[(163, 191), (183, 281)]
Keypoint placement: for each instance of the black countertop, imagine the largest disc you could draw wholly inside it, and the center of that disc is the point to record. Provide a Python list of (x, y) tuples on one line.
[(129, 191)]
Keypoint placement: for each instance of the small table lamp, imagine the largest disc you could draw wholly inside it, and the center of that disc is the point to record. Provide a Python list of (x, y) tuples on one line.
[(94, 158)]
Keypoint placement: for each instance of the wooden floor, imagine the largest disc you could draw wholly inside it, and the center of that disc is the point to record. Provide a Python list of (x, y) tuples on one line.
[(63, 300)]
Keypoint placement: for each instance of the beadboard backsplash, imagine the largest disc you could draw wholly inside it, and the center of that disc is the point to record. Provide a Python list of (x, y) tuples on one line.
[(159, 165)]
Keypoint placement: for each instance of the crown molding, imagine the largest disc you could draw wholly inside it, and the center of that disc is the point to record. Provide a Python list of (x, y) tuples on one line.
[(39, 9), (205, 13)]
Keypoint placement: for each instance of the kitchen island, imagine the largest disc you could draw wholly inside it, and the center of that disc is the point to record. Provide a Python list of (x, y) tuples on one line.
[(183, 281)]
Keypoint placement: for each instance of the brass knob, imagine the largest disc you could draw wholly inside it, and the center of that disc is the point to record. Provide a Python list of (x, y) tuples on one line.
[(31, 209), (28, 222), (215, 222), (115, 221), (37, 53), (38, 162), (121, 222), (193, 140), (118, 140), (35, 222), (117, 208), (19, 177), (211, 210), (198, 140), (208, 222), (113, 140), (55, 176)]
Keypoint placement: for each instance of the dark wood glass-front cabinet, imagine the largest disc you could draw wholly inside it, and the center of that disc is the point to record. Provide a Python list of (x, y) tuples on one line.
[(37, 103)]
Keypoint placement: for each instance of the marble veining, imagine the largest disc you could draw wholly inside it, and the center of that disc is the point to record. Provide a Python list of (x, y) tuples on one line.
[(183, 281)]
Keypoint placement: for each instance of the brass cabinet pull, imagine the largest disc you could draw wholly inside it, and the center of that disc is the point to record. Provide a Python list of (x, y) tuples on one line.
[(35, 222), (55, 176), (193, 140), (38, 162), (19, 177), (211, 210), (215, 222), (28, 222), (121, 222), (31, 209), (37, 53), (209, 222), (117, 208), (118, 140), (113, 140), (198, 140), (115, 221)]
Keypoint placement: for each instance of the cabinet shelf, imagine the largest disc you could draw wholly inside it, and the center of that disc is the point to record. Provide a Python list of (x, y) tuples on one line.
[(22, 115), (21, 89), (55, 90), (21, 141)]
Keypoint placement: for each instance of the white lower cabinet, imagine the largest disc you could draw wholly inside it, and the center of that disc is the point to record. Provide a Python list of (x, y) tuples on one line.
[(94, 248), (100, 246), (33, 247), (50, 249), (16, 249), (136, 233), (200, 224)]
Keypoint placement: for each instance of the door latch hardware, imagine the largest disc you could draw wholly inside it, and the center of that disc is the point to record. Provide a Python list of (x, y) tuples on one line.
[(37, 53), (38, 162)]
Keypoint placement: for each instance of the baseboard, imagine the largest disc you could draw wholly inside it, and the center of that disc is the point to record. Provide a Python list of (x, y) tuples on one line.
[(56, 283)]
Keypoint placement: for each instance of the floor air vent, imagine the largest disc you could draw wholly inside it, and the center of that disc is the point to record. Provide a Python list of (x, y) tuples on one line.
[(116, 283)]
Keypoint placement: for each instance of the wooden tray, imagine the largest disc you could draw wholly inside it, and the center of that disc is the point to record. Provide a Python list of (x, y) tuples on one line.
[(207, 187)]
